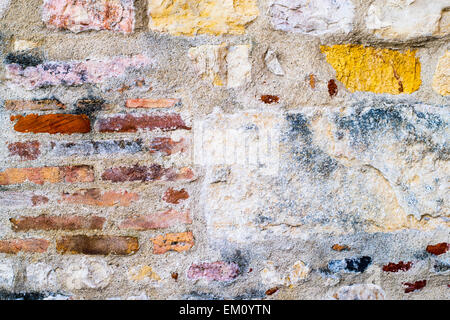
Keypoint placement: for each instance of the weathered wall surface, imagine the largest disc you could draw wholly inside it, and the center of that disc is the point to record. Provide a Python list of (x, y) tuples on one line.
[(178, 149)]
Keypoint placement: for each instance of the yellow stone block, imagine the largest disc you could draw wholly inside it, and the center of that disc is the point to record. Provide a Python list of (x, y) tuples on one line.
[(441, 78), (376, 70), (191, 17)]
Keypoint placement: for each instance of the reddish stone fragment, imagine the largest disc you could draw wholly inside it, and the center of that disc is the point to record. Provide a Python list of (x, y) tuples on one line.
[(312, 81), (175, 196), (159, 220), (332, 88), (38, 200), (215, 271), (43, 105), (134, 122), (151, 103), (338, 247), (271, 291), (97, 245), (395, 267), (82, 15), (143, 174), (167, 145), (418, 285), (268, 99), (94, 197), (178, 242), (14, 246), (439, 248), (44, 222), (52, 123), (25, 150)]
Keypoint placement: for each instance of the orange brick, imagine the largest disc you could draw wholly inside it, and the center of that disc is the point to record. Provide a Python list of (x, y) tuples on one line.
[(44, 222), (97, 245), (178, 242), (151, 103), (14, 246), (47, 175), (52, 123)]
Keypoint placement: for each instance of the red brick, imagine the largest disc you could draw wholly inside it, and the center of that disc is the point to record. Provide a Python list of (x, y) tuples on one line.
[(94, 197), (439, 248), (215, 271), (14, 246), (28, 150), (81, 15), (44, 222), (175, 196), (158, 220), (43, 105), (134, 122), (47, 175), (178, 242), (97, 245), (167, 146), (143, 174), (151, 103), (52, 123)]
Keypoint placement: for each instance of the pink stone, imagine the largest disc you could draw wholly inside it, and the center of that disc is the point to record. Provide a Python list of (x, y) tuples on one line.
[(82, 15), (73, 73), (157, 220), (213, 271)]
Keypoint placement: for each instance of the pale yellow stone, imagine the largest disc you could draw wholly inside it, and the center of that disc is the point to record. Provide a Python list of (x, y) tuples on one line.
[(441, 79), (222, 65), (144, 273), (23, 45), (271, 276), (191, 17)]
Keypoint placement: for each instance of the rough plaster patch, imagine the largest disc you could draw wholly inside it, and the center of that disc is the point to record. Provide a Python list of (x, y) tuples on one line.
[(4, 4), (6, 275), (40, 277), (317, 17)]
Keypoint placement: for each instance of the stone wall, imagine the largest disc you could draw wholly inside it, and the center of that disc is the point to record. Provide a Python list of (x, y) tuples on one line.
[(179, 149)]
